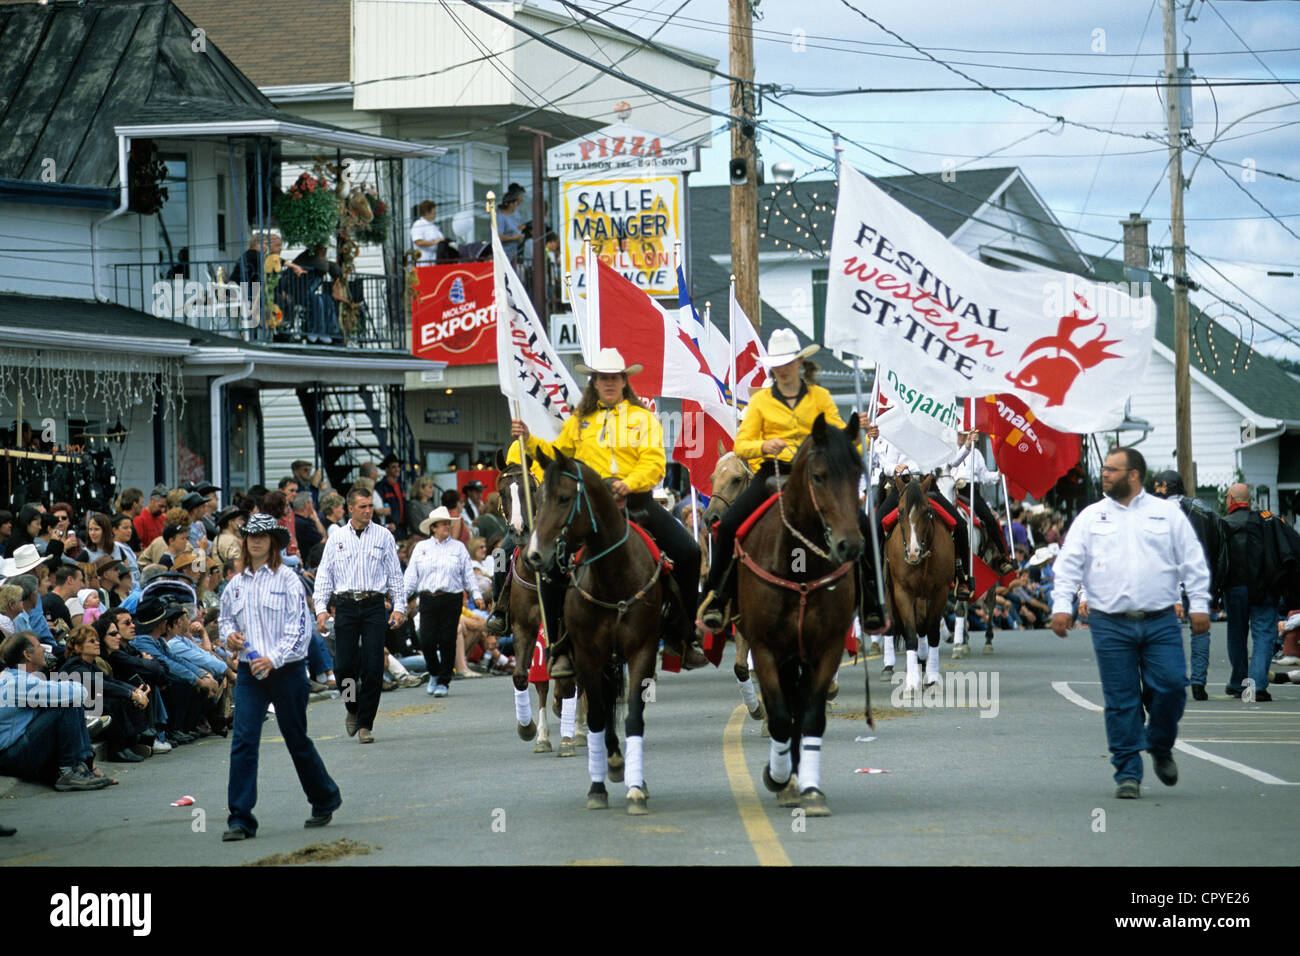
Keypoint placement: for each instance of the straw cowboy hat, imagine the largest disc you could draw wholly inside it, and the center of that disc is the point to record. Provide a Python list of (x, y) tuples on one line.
[(783, 348), (608, 362), (24, 559), (1045, 554), (439, 513)]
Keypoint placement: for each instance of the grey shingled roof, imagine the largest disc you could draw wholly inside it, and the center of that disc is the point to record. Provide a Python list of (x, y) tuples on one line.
[(1253, 378)]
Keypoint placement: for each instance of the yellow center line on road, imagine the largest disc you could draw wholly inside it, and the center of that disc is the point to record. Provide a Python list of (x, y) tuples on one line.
[(757, 827)]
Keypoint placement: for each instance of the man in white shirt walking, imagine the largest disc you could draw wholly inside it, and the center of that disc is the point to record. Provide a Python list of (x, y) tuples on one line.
[(359, 568), (1134, 554), (425, 236)]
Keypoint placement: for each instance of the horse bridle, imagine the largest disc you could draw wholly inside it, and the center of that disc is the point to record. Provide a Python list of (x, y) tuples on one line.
[(929, 511)]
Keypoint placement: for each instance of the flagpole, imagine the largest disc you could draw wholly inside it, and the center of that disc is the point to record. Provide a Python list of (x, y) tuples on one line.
[(593, 300), (1006, 501), (498, 288), (731, 337)]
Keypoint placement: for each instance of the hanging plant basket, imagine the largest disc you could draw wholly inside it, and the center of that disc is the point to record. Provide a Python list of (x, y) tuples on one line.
[(308, 213), (378, 230)]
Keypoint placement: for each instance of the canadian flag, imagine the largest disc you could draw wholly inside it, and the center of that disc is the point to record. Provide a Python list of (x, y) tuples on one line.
[(673, 367), (751, 374)]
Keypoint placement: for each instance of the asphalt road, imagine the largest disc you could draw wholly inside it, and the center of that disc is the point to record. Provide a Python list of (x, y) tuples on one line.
[(449, 782)]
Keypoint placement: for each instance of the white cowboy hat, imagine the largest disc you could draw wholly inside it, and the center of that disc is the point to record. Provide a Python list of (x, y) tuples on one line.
[(25, 559), (608, 362), (783, 348), (439, 513), (1044, 554)]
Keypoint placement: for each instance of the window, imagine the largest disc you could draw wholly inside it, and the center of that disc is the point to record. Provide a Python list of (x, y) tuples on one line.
[(174, 218), (458, 182), (820, 276), (221, 214)]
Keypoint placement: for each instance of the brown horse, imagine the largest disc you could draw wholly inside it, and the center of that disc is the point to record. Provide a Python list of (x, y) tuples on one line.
[(921, 561), (797, 596), (525, 619), (613, 612)]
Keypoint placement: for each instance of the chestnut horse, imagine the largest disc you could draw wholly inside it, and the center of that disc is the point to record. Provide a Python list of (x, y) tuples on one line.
[(921, 561), (797, 594), (613, 613)]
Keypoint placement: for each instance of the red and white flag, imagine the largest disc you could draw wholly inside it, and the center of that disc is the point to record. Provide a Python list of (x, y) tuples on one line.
[(750, 373)]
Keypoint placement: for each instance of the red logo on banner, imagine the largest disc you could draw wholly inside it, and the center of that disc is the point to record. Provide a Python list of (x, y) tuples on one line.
[(452, 319)]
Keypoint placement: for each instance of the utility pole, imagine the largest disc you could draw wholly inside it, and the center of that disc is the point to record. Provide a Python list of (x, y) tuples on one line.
[(744, 197), (1182, 332)]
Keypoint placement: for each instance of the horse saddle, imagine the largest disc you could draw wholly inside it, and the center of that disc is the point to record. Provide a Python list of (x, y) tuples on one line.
[(979, 523)]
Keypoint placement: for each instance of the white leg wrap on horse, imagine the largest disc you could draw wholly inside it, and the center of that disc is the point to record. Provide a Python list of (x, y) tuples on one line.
[(523, 707), (748, 693), (959, 630), (778, 761), (932, 664), (597, 760), (568, 716), (913, 670), (923, 650), (810, 763), (891, 656), (634, 762)]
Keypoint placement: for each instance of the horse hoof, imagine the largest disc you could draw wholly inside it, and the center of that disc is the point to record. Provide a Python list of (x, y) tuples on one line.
[(988, 648), (542, 746), (789, 795), (527, 732), (636, 802), (758, 713), (813, 802), (771, 784), (614, 769), (887, 671), (580, 739), (566, 749), (958, 651), (597, 800), (833, 691)]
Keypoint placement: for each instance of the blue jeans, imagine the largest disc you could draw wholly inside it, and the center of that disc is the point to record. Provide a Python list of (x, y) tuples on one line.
[(318, 656), (1200, 654), (55, 738), (1131, 655), (286, 687), (1258, 621)]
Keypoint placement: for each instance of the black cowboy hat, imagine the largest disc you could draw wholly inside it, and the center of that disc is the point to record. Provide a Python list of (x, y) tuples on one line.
[(206, 488), (148, 613), (193, 500), (262, 523), (227, 514), (475, 485)]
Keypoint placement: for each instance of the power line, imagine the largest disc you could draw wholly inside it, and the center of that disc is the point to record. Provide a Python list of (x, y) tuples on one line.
[(1246, 45), (1002, 90)]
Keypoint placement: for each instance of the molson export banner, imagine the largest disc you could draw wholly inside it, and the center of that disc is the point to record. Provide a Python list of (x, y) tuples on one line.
[(632, 224), (452, 319)]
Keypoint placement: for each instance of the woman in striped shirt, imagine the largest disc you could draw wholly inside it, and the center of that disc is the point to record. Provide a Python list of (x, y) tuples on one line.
[(264, 618), (440, 572)]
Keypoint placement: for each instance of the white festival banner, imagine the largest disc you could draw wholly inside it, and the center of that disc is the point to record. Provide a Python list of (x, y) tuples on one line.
[(922, 426), (528, 368), (900, 294)]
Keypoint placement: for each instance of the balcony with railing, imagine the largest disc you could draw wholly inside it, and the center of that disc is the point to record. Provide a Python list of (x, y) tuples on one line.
[(287, 308)]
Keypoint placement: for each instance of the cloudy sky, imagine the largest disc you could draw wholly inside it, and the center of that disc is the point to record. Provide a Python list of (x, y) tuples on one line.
[(1090, 178)]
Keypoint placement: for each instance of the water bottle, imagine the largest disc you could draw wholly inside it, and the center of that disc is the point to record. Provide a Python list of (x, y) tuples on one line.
[(253, 656)]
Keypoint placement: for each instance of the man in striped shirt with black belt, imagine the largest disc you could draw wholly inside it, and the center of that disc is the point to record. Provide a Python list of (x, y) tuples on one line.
[(358, 570)]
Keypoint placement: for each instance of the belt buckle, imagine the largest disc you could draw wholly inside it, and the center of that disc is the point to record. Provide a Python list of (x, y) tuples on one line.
[(1135, 615)]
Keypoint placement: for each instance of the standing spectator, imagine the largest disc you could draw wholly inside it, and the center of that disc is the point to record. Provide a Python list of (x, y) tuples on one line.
[(512, 233), (130, 503), (49, 743), (358, 568), (149, 523), (229, 540), (1134, 554), (472, 503), (123, 532), (307, 528), (1213, 535), (1249, 597), (264, 618), (459, 529), (196, 506), (420, 505), (313, 482), (440, 572), (425, 236), (390, 489), (332, 510)]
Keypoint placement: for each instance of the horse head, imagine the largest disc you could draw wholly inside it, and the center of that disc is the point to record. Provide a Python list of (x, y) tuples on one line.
[(574, 506), (730, 477), (823, 486), (915, 519)]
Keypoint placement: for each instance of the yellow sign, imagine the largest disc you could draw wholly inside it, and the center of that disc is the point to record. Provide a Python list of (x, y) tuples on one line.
[(632, 224)]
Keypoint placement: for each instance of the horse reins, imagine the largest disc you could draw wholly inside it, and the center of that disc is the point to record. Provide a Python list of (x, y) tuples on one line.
[(801, 587)]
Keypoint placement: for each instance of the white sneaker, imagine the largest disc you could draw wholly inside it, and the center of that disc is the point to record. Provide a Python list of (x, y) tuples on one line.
[(433, 683), (161, 747), (1289, 659)]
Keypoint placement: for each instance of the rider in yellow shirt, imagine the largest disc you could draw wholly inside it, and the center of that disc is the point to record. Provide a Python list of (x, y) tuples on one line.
[(612, 433), (776, 422)]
